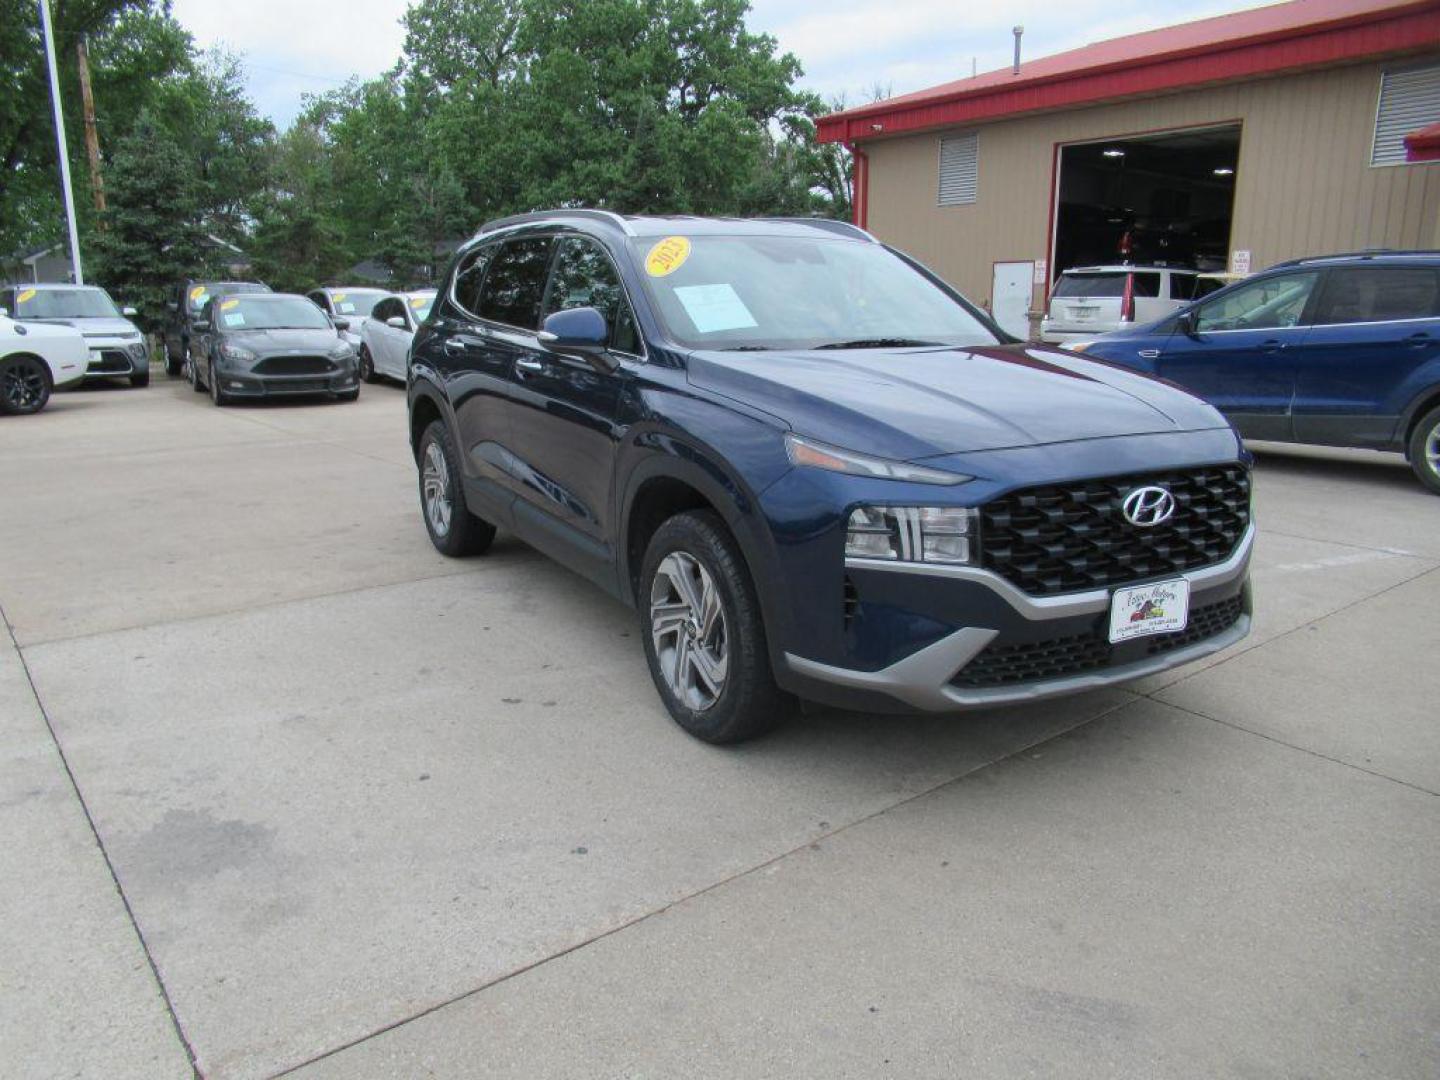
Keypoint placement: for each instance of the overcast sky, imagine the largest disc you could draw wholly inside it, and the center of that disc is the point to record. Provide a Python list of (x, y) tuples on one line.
[(294, 47)]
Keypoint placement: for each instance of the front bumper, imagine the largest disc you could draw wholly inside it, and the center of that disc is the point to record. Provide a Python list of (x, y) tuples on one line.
[(1052, 633), (115, 360), (249, 384)]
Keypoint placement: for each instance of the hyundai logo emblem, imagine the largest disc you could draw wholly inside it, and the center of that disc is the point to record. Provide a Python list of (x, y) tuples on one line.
[(1148, 506)]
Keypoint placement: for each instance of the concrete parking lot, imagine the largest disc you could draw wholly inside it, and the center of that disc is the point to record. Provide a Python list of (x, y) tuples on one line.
[(284, 791)]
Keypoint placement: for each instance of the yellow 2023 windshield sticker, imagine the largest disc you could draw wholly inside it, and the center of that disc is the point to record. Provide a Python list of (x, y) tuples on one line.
[(197, 292), (226, 305), (28, 294), (667, 256), (419, 301)]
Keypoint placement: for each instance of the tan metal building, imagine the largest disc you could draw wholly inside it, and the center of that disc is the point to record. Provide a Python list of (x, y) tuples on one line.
[(1233, 142)]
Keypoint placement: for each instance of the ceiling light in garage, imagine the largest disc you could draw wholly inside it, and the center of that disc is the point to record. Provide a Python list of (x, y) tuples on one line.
[(1224, 171), (1114, 152)]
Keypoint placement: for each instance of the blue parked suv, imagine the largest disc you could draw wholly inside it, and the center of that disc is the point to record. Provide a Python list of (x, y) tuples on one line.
[(817, 471), (1340, 351)]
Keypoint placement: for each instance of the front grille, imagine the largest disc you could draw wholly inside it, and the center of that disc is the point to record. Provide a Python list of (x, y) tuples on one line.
[(298, 386), (109, 362), (1056, 658), (1073, 537), (294, 365)]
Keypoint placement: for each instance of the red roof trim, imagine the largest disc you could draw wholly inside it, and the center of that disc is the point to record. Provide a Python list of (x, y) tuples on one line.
[(1424, 144), (1376, 32)]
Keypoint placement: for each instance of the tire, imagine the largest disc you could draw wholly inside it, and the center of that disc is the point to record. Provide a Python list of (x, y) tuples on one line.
[(367, 365), (140, 378), (218, 396), (730, 696), (173, 367), (24, 385), (456, 531), (1424, 450), (192, 375)]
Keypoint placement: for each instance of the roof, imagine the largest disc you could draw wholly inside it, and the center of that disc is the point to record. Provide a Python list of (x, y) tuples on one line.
[(642, 226), (1424, 144), (1246, 44)]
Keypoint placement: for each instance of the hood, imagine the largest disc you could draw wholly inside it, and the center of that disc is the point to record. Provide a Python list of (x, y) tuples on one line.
[(270, 342), (100, 326), (917, 403)]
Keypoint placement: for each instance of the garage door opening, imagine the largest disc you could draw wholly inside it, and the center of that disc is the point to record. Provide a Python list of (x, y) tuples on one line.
[(1159, 200)]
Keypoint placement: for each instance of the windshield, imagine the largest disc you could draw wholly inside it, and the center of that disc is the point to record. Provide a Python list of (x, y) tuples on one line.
[(201, 293), (78, 303), (356, 302), (270, 313), (778, 292), (420, 304)]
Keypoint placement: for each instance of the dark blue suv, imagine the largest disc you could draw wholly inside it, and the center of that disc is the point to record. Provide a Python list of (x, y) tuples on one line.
[(817, 471), (1340, 351)]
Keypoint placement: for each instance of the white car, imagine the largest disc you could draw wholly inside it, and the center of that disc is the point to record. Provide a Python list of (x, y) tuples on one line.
[(385, 337), (348, 308), (36, 358), (1092, 300), (117, 348)]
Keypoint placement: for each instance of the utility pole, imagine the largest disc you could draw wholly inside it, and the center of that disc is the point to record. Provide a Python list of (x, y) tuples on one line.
[(60, 140), (92, 140)]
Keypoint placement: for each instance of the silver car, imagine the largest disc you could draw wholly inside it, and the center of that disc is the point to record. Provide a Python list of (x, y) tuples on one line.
[(117, 348)]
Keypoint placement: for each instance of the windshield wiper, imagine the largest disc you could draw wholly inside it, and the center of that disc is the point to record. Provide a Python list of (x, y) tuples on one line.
[(746, 348), (877, 343)]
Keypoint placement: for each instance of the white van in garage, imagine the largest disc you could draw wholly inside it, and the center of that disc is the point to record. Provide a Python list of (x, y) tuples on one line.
[(1091, 300)]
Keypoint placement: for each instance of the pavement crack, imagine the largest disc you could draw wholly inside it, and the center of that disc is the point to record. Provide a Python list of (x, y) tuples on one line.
[(104, 853)]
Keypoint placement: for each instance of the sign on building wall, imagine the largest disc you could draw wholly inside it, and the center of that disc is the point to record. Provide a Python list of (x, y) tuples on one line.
[(1040, 270), (1240, 262)]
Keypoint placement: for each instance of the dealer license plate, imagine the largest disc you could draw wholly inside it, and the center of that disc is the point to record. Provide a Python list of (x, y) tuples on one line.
[(1083, 314), (1161, 608)]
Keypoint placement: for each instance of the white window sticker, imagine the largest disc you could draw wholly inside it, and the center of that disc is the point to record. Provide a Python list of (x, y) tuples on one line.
[(234, 318), (346, 308), (714, 307)]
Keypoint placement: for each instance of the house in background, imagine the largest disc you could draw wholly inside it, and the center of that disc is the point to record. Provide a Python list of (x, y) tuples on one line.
[(52, 264)]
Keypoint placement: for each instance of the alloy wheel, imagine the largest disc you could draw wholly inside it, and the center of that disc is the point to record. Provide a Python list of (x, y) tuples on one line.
[(1432, 450), (687, 623), (435, 479), (23, 385)]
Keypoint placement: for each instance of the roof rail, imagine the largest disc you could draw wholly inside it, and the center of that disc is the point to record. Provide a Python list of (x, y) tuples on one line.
[(549, 215), (834, 225), (1365, 253)]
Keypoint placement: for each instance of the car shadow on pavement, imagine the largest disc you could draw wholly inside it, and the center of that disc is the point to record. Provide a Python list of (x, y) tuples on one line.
[(1365, 466)]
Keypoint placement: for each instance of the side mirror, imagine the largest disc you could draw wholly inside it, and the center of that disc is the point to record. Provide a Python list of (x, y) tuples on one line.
[(128, 311), (579, 332), (200, 325), (1185, 322), (397, 321), (342, 324)]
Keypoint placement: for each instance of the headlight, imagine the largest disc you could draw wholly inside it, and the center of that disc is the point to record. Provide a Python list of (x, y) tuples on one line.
[(237, 353), (342, 352), (818, 455), (933, 534), (1078, 346)]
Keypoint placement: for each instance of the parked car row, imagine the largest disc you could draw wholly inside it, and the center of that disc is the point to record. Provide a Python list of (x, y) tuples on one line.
[(114, 345)]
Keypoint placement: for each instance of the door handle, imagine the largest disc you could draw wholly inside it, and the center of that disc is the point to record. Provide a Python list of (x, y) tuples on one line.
[(454, 345), (1272, 345), (527, 363), (1416, 341), (1148, 354)]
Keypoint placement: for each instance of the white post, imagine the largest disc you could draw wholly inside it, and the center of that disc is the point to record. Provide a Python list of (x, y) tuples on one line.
[(60, 140)]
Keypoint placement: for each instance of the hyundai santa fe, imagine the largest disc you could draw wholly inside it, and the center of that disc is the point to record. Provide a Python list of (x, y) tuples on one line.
[(819, 472)]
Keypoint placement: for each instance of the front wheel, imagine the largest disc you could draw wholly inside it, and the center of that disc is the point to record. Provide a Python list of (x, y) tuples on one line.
[(217, 395), (140, 378), (24, 385), (367, 364), (453, 529), (1425, 450), (703, 632)]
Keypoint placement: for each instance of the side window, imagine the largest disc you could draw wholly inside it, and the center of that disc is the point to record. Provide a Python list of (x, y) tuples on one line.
[(321, 301), (386, 309), (1182, 287), (471, 276), (1379, 294), (1262, 305), (516, 283), (1146, 285), (585, 277)]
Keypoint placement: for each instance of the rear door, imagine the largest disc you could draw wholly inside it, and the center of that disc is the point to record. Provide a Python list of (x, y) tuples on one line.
[(387, 344), (1241, 355), (1375, 326)]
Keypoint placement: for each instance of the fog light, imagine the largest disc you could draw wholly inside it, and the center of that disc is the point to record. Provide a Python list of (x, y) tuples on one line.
[(236, 385)]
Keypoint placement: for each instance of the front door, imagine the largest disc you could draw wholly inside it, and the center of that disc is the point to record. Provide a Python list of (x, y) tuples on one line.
[(1240, 355), (562, 417), (1011, 289), (1375, 326)]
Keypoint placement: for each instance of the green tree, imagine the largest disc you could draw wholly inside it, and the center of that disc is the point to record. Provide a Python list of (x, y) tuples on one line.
[(297, 242), (153, 235)]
